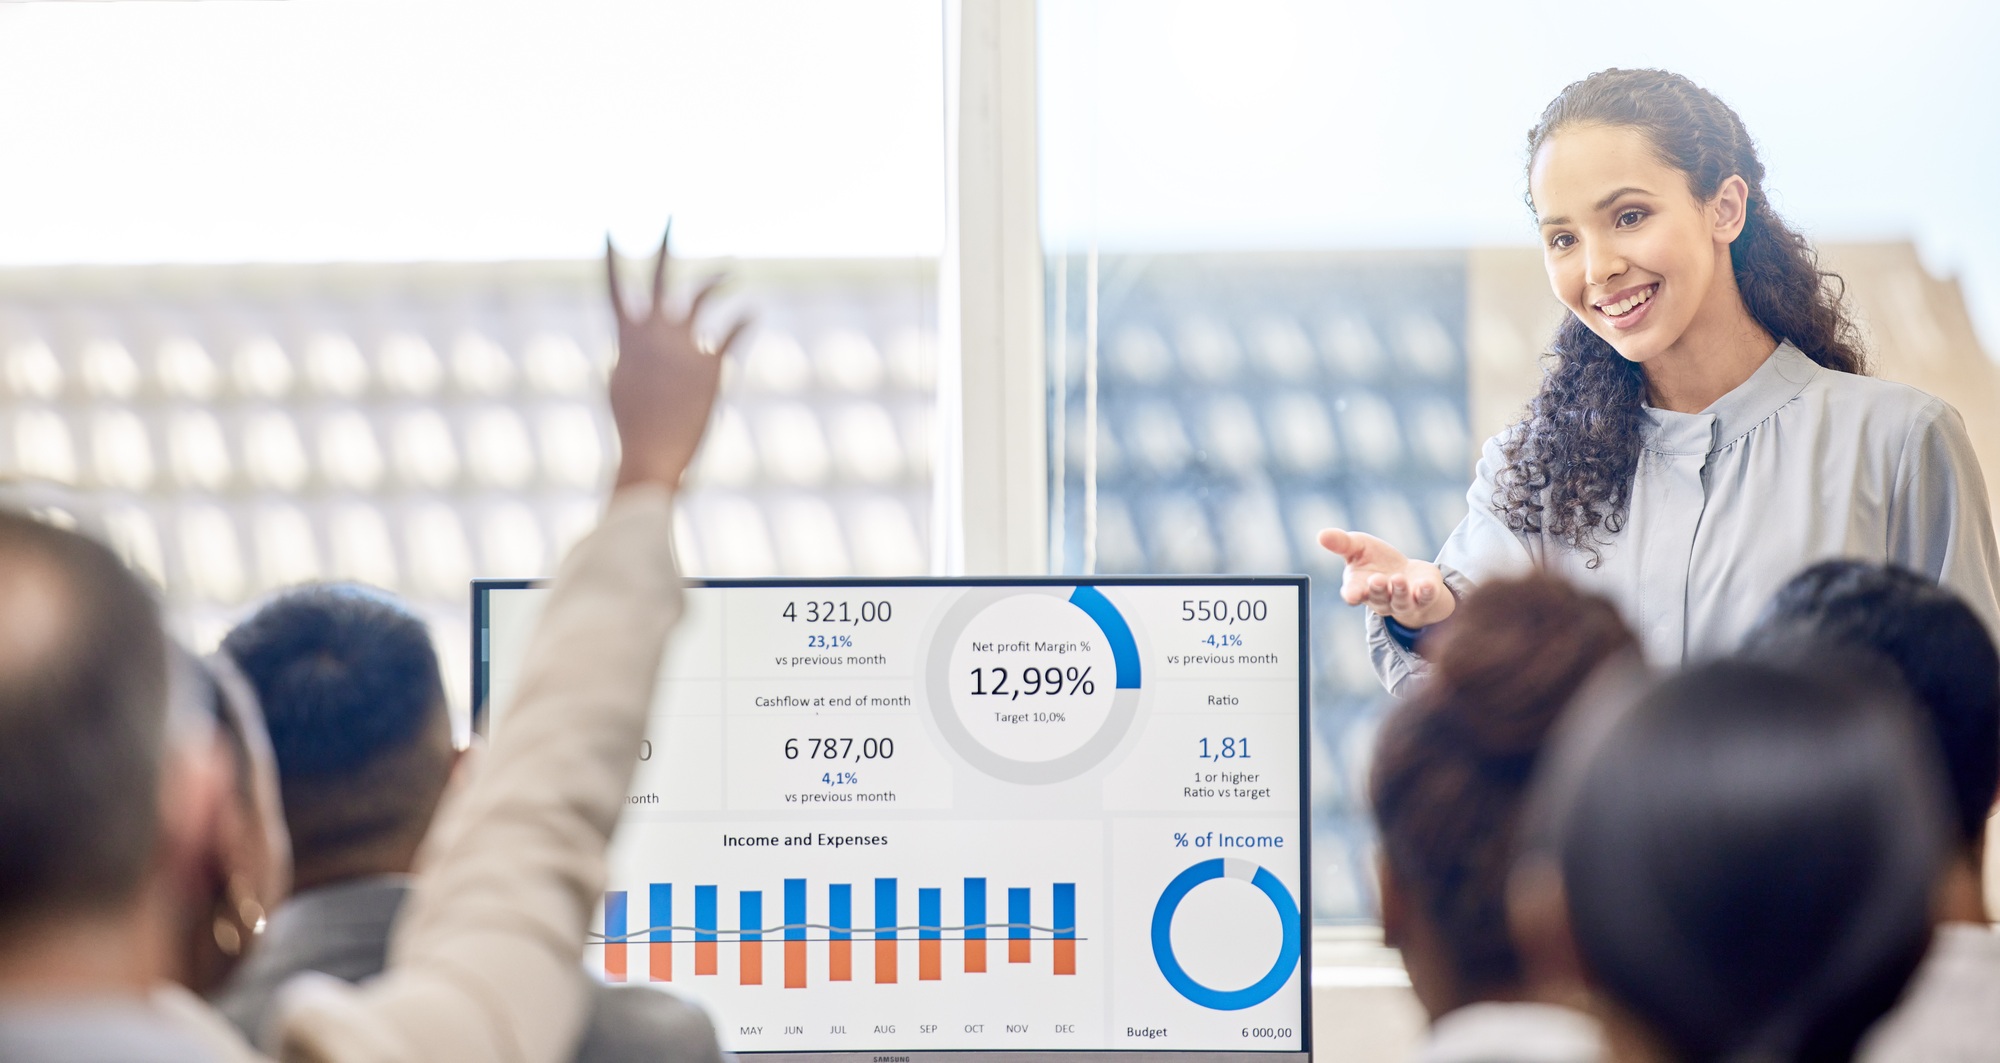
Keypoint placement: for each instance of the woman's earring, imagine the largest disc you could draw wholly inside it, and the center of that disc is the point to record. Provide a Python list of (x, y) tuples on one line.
[(249, 911), (227, 937), (237, 911)]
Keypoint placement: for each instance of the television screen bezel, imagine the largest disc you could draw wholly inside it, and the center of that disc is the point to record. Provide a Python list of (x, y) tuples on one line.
[(483, 587)]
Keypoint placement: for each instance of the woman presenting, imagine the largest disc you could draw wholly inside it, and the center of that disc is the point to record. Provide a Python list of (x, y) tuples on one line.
[(1705, 429)]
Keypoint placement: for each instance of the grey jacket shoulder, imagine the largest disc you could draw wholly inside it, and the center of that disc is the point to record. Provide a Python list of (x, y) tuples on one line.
[(340, 930), (630, 1024), (344, 931)]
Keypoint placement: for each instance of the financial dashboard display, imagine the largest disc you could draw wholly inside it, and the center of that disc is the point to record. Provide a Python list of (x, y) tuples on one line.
[(939, 816)]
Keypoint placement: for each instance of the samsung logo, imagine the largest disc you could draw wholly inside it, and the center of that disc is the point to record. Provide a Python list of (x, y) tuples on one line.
[(888, 1059)]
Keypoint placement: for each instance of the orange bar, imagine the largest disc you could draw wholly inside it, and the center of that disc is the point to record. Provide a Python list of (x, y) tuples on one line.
[(704, 957), (614, 961), (930, 960), (1017, 950), (975, 957), (661, 963), (1065, 956), (795, 965), (840, 961), (752, 963), (885, 961)]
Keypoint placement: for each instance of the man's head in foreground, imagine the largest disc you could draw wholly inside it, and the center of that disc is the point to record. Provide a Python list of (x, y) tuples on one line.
[(117, 795), (352, 696)]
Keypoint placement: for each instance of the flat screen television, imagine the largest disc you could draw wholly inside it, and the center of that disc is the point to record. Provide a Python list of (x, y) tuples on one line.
[(930, 819)]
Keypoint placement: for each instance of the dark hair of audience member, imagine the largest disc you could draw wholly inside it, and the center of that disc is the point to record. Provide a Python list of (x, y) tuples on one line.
[(1937, 643), (82, 724), (1453, 763), (354, 704), (1749, 855)]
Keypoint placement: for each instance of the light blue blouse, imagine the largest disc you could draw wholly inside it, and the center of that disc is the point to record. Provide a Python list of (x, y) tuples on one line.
[(1798, 464)]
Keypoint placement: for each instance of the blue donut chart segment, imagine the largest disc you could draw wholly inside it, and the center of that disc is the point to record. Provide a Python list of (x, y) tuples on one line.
[(1124, 650), (1288, 916)]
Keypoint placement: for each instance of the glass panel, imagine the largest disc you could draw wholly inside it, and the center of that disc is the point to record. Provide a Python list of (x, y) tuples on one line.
[(1292, 283), (414, 425), (1244, 401)]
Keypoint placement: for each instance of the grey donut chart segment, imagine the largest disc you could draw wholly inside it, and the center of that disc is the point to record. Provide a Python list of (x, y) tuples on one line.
[(944, 711)]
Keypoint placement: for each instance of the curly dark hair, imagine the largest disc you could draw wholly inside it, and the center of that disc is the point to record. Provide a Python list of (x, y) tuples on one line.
[(1453, 763), (1571, 459)]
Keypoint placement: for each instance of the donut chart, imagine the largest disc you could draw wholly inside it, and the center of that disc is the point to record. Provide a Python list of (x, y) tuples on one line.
[(1095, 716), (1288, 917)]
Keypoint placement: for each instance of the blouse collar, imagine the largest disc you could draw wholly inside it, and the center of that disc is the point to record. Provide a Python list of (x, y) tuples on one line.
[(1778, 381)]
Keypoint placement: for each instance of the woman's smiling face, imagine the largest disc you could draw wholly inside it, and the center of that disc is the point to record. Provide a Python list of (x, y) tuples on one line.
[(1628, 248)]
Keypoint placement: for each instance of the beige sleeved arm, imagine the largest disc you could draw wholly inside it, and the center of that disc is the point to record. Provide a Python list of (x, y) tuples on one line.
[(485, 960)]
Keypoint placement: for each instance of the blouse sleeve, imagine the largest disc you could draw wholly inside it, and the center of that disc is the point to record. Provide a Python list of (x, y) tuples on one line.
[(1482, 547), (1941, 523)]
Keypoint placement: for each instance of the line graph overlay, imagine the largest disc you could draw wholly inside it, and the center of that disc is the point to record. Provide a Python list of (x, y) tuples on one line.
[(837, 930)]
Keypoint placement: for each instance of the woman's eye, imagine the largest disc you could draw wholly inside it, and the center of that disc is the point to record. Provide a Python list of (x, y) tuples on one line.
[(1562, 240), (1631, 217)]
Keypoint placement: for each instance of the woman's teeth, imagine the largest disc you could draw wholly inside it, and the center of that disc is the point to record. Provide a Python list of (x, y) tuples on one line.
[(1624, 306)]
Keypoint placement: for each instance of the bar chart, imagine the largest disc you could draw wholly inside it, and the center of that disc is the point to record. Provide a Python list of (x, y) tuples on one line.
[(818, 928)]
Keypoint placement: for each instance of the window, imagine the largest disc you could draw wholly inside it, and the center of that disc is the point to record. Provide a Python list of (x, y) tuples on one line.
[(1290, 282), (403, 385)]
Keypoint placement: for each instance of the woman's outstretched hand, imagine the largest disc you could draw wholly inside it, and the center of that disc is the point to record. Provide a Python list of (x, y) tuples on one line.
[(1378, 575), (664, 384)]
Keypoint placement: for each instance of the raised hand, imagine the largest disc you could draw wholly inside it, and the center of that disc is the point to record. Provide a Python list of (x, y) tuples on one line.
[(664, 384), (1380, 577)]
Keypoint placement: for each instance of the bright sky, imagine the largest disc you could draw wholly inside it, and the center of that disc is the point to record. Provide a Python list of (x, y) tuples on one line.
[(256, 130)]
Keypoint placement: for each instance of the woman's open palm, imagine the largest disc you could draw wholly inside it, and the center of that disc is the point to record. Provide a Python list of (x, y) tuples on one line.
[(1381, 577)]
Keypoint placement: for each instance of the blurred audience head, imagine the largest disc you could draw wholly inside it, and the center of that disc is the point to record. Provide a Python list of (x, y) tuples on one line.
[(1935, 641), (123, 833), (83, 694), (354, 703), (1747, 857), (1452, 766)]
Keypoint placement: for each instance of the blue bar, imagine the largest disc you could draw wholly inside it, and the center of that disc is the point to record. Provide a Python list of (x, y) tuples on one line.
[(614, 916), (750, 915), (885, 909), (1065, 910), (840, 911), (704, 913), (1017, 914), (975, 909), (661, 914), (795, 909), (930, 914)]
